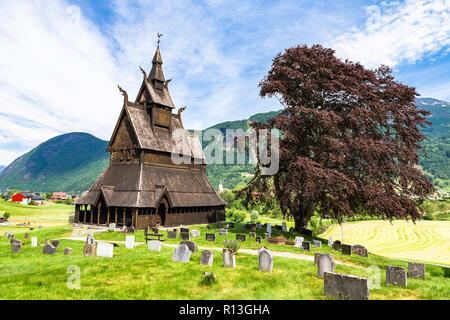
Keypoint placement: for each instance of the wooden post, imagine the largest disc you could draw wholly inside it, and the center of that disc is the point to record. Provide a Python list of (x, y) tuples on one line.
[(115, 220), (107, 219), (92, 214), (123, 221)]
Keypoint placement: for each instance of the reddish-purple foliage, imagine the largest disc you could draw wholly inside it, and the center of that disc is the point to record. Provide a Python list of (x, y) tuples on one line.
[(350, 139)]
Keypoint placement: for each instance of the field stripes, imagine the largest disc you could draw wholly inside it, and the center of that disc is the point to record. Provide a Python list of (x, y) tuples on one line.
[(424, 241)]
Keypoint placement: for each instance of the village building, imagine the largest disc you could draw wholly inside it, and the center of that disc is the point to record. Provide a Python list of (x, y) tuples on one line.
[(59, 196), (143, 186), (27, 197)]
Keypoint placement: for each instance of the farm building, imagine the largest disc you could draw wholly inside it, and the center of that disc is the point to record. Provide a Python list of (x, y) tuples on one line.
[(143, 186), (58, 196), (27, 197)]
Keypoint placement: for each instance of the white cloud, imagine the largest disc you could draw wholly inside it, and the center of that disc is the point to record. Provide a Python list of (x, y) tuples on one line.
[(396, 33)]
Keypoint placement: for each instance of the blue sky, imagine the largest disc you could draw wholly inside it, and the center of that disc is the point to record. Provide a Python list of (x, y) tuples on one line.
[(61, 60)]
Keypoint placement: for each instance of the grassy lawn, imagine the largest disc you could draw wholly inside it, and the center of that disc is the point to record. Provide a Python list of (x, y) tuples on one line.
[(424, 241), (142, 274), (50, 212)]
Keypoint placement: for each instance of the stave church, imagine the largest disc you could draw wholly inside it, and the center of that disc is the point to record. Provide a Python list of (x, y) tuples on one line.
[(143, 186)]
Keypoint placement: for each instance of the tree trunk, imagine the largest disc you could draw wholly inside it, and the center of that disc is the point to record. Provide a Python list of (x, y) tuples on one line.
[(302, 216)]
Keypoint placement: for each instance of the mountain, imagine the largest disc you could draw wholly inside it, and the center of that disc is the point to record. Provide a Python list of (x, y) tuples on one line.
[(1, 168), (72, 162)]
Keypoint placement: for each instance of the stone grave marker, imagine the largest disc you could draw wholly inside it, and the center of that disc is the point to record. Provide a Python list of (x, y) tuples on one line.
[(396, 276), (258, 239), (15, 247), (317, 244), (269, 228), (129, 242), (306, 245), (12, 236), (252, 234), (223, 232), (360, 250), (267, 235), (299, 242), (211, 237), (265, 258), (90, 239), (105, 250), (229, 259), (346, 249), (33, 242), (182, 229), (317, 255), (347, 287), (258, 226), (283, 227), (26, 236), (172, 234), (241, 237), (6, 235), (112, 226), (416, 270), (181, 254), (207, 258), (336, 245), (185, 235), (55, 243), (89, 249), (190, 244), (195, 233), (325, 263), (154, 245), (49, 249), (330, 241), (67, 251)]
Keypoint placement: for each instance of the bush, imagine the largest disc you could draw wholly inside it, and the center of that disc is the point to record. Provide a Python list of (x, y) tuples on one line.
[(208, 278), (6, 216), (232, 245), (254, 216), (239, 216)]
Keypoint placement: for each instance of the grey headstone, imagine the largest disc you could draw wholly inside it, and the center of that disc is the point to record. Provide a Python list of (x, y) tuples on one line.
[(172, 234), (15, 247), (26, 236), (269, 228), (267, 235), (317, 244), (229, 259), (346, 249), (67, 251), (129, 242), (396, 276), (55, 243), (251, 234), (112, 226), (181, 253), (49, 249), (299, 242), (105, 250), (241, 237), (12, 236), (185, 235), (223, 232), (154, 245), (207, 258), (195, 233), (360, 250), (325, 263), (344, 286), (190, 244), (184, 229), (258, 239), (211, 237), (306, 245), (283, 227), (330, 241), (416, 270), (258, 226), (265, 258), (318, 254), (90, 239)]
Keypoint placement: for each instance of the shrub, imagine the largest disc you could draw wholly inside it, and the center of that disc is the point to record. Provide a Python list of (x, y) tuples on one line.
[(6, 216), (254, 216), (208, 278), (232, 245), (239, 216)]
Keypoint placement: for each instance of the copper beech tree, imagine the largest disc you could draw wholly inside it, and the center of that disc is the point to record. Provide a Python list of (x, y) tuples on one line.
[(349, 139)]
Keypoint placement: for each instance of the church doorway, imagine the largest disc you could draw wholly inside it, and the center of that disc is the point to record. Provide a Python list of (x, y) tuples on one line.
[(161, 219)]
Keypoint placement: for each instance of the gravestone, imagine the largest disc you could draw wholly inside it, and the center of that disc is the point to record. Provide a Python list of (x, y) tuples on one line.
[(195, 233), (172, 234), (12, 236), (241, 237), (229, 259), (306, 245), (207, 258), (26, 236), (181, 254), (416, 270), (49, 249), (112, 226), (67, 251), (182, 229), (89, 249), (307, 232), (267, 235), (346, 249), (344, 286), (317, 244), (185, 235), (47, 241), (55, 243), (330, 241), (15, 247), (360, 250), (325, 263), (283, 227), (299, 242), (6, 235), (129, 242), (269, 228), (258, 239), (223, 232), (90, 239), (105, 250), (396, 276), (33, 242), (252, 234), (258, 226), (318, 254), (211, 237), (291, 229), (190, 244), (265, 258)]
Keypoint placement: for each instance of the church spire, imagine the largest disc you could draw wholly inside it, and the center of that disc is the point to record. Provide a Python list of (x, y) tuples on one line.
[(156, 73)]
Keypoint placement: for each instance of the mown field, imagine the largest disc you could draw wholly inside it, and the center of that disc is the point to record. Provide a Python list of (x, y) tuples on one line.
[(53, 213), (423, 241)]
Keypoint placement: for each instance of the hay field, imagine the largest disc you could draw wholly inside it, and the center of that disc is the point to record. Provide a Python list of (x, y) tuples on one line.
[(427, 241)]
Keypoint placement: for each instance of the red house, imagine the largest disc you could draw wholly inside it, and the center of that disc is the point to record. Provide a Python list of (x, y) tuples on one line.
[(26, 197), (59, 196)]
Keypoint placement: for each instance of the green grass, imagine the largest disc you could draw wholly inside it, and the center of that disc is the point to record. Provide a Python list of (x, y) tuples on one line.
[(50, 212)]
